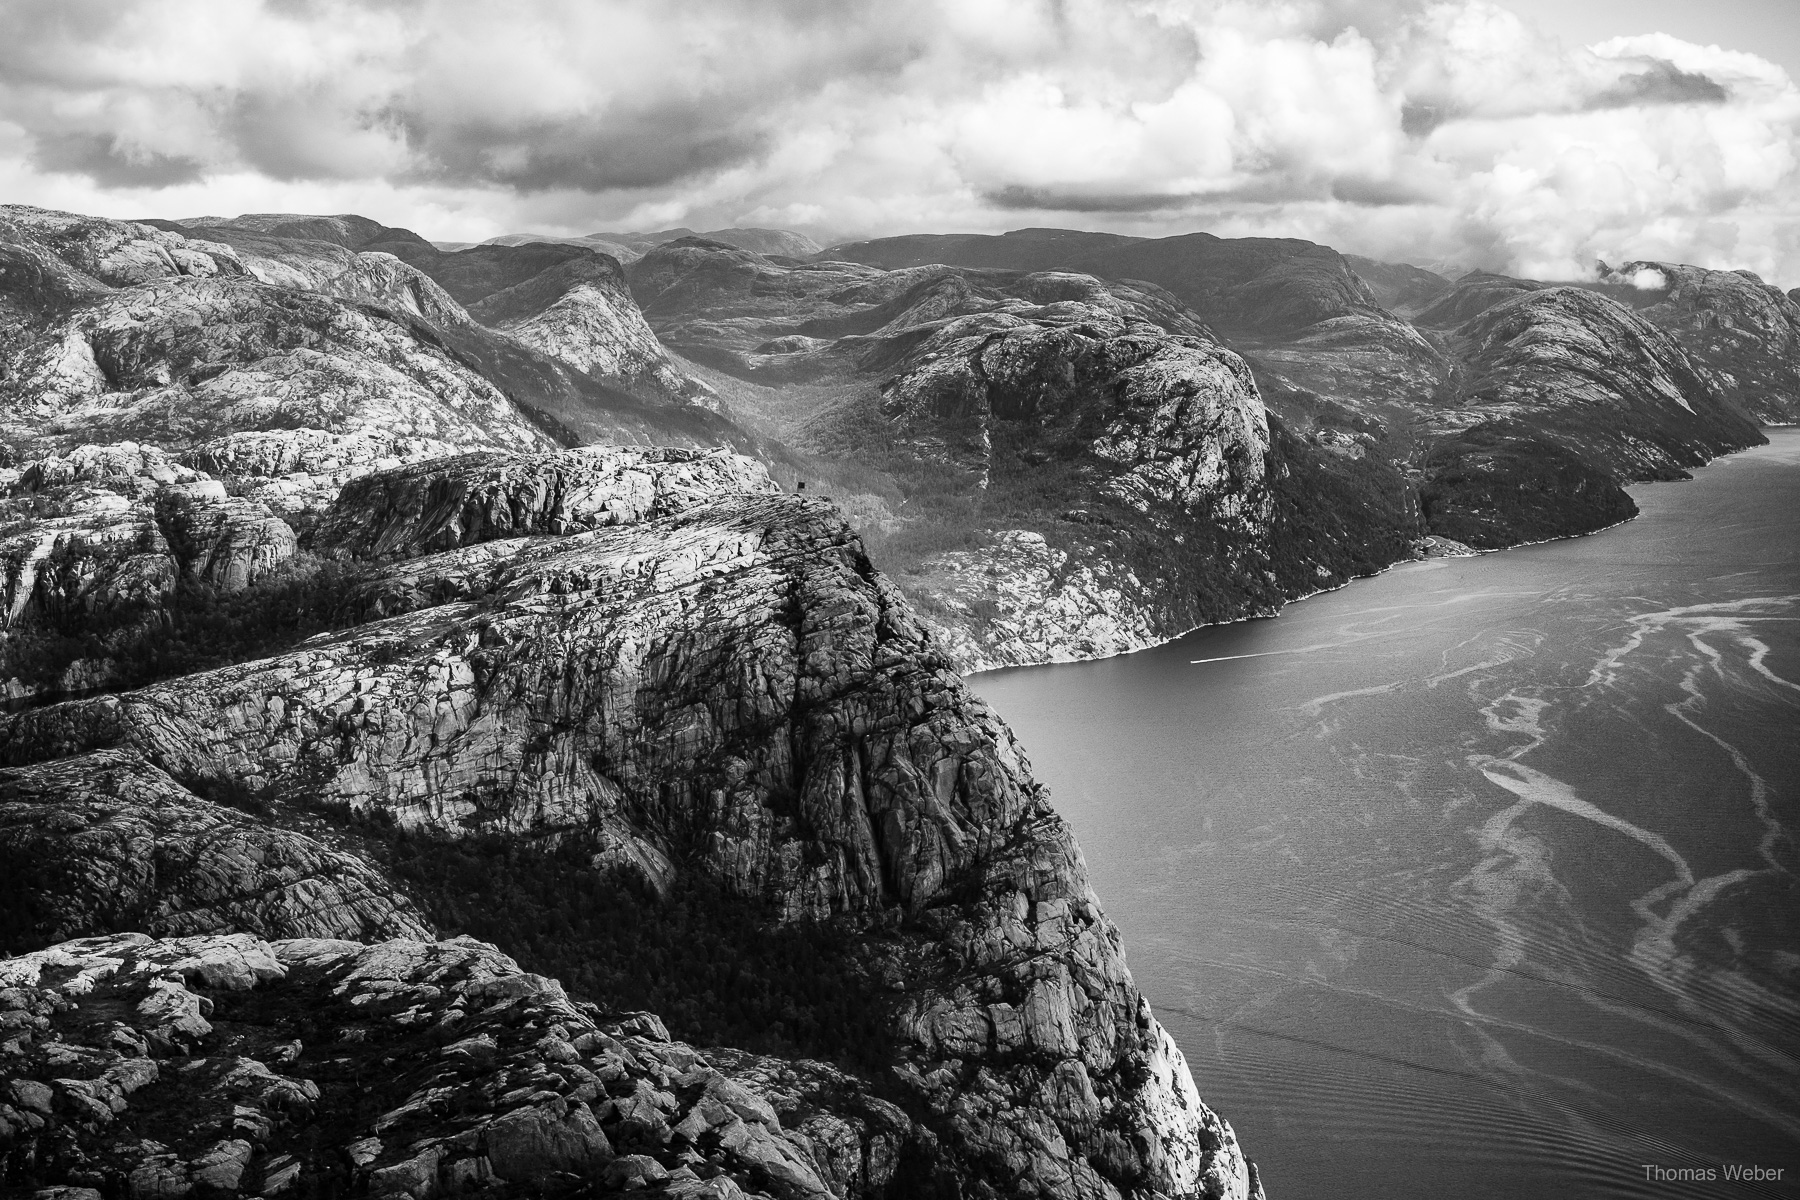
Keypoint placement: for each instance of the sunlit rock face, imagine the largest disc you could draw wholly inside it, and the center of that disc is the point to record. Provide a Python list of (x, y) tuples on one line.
[(447, 503), (125, 332), (103, 532), (1176, 413)]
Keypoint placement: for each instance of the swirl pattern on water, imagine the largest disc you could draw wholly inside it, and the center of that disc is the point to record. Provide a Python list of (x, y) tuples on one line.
[(1478, 878)]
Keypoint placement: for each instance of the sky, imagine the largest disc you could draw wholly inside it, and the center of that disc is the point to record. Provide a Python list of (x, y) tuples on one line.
[(1528, 136)]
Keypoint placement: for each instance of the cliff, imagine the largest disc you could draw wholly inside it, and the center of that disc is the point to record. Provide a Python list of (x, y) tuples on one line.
[(1746, 331), (1562, 396), (601, 654)]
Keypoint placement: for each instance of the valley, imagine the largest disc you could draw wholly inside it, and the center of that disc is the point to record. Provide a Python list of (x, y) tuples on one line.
[(359, 593)]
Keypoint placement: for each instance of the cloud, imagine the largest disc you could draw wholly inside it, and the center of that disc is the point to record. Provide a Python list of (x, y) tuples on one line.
[(1661, 82), (111, 162), (1418, 129)]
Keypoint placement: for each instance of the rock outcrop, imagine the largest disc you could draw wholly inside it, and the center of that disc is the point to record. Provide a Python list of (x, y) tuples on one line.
[(105, 842), (733, 692), (332, 267), (409, 1068), (448, 503), (1176, 416), (112, 531), (191, 359)]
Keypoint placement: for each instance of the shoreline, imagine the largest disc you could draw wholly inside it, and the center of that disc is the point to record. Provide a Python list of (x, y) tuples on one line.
[(1276, 613)]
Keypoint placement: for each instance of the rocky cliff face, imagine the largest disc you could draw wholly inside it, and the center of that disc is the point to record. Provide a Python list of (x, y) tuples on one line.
[(1745, 330), (104, 534), (449, 503), (730, 692)]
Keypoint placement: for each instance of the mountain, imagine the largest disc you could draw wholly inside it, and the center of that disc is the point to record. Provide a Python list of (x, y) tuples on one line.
[(322, 645), (1258, 284), (629, 247), (1086, 469), (1560, 396), (1746, 331), (568, 304), (1311, 327), (1517, 427), (1399, 287)]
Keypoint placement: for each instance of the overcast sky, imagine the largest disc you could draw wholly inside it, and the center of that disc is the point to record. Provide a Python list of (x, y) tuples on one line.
[(1527, 135)]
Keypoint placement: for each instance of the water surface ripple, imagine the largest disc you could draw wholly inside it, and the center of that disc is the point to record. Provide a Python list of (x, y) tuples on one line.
[(1476, 879)]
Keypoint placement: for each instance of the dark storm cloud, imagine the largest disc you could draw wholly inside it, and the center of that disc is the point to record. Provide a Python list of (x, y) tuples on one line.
[(1378, 193), (1417, 120), (102, 158), (643, 149), (1661, 82), (1016, 198), (541, 95)]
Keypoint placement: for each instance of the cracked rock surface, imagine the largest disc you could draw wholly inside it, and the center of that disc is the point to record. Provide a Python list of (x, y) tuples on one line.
[(106, 841), (230, 1065)]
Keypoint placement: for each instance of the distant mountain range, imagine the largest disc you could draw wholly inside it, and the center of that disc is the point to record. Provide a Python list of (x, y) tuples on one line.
[(629, 247)]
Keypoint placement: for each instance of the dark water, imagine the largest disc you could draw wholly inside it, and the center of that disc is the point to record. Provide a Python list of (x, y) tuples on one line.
[(1476, 879)]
